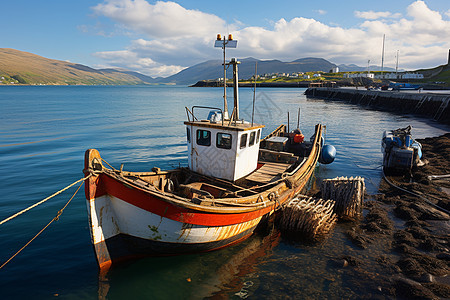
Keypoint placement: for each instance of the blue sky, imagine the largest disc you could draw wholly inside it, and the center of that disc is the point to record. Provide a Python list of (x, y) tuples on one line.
[(160, 38)]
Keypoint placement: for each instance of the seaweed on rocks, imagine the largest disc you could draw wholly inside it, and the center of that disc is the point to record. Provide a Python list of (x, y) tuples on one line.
[(418, 250)]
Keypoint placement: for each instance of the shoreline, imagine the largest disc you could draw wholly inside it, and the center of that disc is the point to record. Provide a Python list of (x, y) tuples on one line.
[(422, 241), (308, 84), (431, 105)]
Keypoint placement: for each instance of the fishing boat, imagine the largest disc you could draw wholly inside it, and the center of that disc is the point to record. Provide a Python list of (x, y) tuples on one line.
[(234, 180), (400, 151)]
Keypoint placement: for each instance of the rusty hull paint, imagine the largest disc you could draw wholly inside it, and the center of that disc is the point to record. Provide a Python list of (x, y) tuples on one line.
[(223, 232)]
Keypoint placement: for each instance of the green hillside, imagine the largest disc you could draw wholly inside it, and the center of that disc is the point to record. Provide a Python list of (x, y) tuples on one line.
[(18, 67), (439, 75)]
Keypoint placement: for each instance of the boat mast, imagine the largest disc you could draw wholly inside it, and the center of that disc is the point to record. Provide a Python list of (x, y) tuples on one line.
[(382, 57), (235, 63), (254, 91), (396, 67), (230, 43)]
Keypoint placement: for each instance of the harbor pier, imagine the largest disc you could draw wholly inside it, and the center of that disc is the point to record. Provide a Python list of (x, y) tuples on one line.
[(427, 104)]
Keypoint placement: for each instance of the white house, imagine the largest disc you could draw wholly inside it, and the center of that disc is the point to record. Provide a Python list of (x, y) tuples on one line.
[(359, 75), (386, 76), (400, 76), (335, 70), (412, 76)]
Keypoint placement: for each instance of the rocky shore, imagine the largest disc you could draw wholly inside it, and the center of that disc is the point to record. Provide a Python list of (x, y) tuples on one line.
[(416, 232)]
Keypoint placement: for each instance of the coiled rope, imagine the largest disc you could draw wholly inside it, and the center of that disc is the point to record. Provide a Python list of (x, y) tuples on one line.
[(58, 214)]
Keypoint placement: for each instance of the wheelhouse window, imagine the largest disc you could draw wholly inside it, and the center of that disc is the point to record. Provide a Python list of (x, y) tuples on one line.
[(188, 134), (243, 141), (203, 137), (223, 140), (251, 141), (258, 136)]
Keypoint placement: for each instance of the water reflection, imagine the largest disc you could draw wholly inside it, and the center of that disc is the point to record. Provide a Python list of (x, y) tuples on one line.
[(213, 275), (143, 127)]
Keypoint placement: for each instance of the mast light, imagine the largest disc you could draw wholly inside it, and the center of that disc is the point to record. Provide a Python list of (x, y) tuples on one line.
[(225, 43)]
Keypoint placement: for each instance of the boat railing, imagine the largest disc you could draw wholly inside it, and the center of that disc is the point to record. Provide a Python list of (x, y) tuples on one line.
[(191, 114)]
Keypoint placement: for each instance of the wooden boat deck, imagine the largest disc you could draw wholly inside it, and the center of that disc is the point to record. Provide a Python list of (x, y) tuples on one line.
[(269, 172)]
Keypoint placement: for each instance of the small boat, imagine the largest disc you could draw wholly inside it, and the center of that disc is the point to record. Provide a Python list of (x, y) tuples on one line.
[(233, 181), (404, 86), (400, 151)]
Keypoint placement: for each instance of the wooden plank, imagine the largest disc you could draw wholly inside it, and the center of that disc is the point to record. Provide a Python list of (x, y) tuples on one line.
[(268, 172)]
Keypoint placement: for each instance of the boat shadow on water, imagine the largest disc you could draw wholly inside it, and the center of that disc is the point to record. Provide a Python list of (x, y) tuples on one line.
[(215, 274)]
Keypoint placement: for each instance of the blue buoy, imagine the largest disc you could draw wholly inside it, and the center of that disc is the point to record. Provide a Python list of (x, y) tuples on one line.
[(327, 155)]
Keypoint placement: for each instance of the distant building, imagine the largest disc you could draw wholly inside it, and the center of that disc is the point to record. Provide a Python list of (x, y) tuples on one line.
[(400, 76), (412, 76), (306, 76), (359, 75), (387, 76), (335, 70)]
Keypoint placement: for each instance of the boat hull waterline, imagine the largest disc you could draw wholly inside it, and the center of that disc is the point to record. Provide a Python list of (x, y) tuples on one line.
[(129, 220)]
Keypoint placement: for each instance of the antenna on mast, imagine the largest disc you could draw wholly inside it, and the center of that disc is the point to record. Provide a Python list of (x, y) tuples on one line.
[(224, 43)]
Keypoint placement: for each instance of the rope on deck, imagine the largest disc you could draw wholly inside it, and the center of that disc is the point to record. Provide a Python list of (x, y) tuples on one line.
[(42, 201), (56, 218)]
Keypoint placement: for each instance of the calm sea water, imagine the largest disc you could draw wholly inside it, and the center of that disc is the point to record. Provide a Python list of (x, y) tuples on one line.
[(44, 132)]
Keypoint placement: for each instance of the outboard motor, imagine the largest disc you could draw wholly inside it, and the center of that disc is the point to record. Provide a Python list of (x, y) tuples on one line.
[(400, 151)]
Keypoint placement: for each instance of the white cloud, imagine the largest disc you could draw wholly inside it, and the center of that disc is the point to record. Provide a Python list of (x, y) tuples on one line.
[(161, 20), (424, 28), (175, 38), (373, 15), (447, 13), (133, 61), (321, 12)]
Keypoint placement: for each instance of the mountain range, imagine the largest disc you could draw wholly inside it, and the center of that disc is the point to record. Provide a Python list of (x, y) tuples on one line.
[(28, 68)]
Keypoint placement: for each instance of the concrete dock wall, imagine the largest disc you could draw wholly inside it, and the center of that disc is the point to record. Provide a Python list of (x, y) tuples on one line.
[(431, 105)]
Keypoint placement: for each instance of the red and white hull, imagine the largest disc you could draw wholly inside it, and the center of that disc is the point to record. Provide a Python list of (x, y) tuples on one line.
[(131, 223), (131, 215)]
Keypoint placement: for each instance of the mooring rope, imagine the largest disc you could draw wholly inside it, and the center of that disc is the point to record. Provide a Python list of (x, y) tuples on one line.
[(42, 201), (415, 194), (56, 218)]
